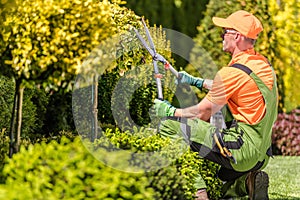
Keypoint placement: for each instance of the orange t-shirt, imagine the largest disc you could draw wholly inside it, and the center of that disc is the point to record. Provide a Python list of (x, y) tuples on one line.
[(234, 87)]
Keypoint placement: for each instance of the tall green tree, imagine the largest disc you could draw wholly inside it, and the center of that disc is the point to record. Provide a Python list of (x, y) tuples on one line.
[(43, 43), (285, 15)]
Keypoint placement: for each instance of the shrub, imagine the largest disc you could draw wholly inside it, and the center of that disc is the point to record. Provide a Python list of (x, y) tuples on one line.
[(64, 169), (34, 106), (132, 79), (176, 181), (286, 134), (4, 145)]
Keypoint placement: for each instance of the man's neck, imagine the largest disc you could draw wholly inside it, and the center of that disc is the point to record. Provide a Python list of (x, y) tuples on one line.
[(244, 48)]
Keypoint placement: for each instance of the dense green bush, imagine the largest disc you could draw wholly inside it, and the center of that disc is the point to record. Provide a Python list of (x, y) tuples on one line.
[(26, 142), (176, 180), (4, 145), (286, 134), (66, 170), (6, 100), (130, 88), (34, 107)]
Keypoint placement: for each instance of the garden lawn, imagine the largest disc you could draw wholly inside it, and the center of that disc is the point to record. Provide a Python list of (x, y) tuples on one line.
[(284, 173)]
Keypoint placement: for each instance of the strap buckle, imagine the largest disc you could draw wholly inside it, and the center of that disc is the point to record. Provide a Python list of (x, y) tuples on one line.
[(224, 151)]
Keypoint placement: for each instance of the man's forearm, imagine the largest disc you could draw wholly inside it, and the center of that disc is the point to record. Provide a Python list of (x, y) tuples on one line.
[(192, 112), (203, 110)]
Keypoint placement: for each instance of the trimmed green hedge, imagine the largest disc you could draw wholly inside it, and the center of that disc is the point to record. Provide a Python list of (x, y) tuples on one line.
[(180, 174), (67, 170)]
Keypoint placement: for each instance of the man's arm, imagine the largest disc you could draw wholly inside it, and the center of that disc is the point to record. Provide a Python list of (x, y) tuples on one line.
[(203, 110), (200, 83)]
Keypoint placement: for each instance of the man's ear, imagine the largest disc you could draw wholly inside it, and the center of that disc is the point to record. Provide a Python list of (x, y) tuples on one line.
[(236, 36)]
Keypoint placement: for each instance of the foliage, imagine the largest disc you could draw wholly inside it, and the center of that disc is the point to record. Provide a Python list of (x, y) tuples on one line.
[(61, 168), (66, 170), (6, 100), (46, 41), (285, 15), (35, 103), (4, 145), (178, 15), (185, 166), (126, 86), (286, 134)]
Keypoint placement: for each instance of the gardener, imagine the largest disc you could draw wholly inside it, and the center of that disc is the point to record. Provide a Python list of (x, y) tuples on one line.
[(246, 92)]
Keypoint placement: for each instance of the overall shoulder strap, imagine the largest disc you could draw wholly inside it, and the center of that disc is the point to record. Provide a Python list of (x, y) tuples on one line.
[(229, 120), (244, 68)]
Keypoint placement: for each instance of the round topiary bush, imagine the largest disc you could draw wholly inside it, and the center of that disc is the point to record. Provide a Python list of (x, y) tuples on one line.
[(66, 170)]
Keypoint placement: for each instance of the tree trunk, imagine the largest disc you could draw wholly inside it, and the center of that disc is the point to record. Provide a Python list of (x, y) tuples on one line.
[(19, 118), (13, 121), (95, 108)]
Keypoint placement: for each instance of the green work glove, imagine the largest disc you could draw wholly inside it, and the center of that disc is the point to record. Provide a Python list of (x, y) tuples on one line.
[(184, 77), (163, 108)]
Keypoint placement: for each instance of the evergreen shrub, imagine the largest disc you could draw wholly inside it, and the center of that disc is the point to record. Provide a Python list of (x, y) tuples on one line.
[(4, 145), (176, 180), (64, 169)]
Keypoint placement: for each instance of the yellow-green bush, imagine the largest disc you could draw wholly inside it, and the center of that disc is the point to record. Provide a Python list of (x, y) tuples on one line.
[(176, 180), (4, 145), (45, 41), (67, 170)]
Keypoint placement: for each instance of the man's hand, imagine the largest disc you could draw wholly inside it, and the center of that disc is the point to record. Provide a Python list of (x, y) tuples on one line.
[(163, 108), (208, 84), (184, 77)]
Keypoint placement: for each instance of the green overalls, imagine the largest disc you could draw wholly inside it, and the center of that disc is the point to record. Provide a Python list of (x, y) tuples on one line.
[(250, 143)]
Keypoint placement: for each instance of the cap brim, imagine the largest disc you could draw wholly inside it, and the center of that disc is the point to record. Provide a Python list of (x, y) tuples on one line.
[(221, 22)]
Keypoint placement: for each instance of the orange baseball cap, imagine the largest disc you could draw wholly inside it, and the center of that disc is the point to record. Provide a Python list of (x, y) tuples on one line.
[(242, 21)]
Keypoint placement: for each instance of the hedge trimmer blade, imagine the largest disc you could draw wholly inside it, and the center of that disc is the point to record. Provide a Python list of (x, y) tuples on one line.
[(152, 52), (155, 57)]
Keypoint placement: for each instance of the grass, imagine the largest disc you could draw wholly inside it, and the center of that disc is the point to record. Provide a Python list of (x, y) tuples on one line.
[(284, 173)]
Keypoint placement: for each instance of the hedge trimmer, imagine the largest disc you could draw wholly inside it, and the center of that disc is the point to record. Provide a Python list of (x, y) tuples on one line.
[(155, 57)]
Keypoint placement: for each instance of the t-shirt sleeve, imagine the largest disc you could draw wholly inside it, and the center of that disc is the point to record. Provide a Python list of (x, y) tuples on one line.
[(226, 82)]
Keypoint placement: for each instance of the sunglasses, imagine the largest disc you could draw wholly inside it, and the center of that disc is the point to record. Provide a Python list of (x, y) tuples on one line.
[(227, 31)]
